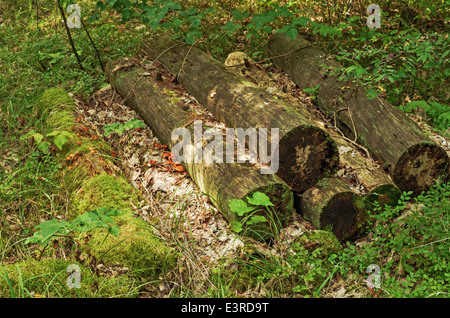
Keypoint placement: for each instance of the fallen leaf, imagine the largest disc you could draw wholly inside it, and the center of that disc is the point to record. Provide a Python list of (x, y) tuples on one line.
[(179, 168)]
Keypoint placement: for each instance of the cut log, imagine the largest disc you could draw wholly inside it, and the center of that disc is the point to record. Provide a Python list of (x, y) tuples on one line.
[(220, 181), (330, 205), (305, 152), (377, 185), (414, 161), (340, 208)]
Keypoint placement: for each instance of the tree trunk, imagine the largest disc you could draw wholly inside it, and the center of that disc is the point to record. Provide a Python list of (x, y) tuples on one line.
[(413, 160), (331, 205), (378, 186), (222, 182), (305, 152)]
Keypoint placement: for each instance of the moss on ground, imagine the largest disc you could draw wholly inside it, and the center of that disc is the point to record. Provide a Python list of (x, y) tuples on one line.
[(50, 278), (104, 190), (324, 242), (137, 247)]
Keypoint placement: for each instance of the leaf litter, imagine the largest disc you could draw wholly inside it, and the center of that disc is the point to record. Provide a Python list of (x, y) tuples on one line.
[(186, 214)]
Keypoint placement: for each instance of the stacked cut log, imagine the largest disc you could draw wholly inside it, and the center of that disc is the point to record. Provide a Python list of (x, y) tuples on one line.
[(413, 160), (143, 91), (306, 153), (330, 202)]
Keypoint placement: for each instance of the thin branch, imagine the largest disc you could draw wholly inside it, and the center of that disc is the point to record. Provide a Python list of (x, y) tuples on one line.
[(93, 44), (354, 132), (274, 57), (185, 58), (68, 34)]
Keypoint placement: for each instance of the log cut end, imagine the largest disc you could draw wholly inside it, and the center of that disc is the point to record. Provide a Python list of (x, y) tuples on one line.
[(420, 167), (331, 205), (386, 194), (344, 214), (306, 155)]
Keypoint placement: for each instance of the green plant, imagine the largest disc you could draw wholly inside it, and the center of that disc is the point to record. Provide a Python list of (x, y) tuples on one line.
[(249, 214), (437, 113), (410, 244), (120, 128), (398, 61), (98, 218), (313, 92), (59, 139)]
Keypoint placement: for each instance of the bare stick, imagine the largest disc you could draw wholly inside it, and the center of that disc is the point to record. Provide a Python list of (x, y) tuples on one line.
[(68, 34)]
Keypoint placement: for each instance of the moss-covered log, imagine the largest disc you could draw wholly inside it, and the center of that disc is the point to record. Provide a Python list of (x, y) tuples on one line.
[(378, 186), (331, 205), (221, 181), (306, 153), (413, 160)]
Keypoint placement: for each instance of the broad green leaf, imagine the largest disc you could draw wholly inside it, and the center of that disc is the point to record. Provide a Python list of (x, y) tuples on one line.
[(301, 21), (60, 140), (259, 198), (371, 93), (236, 226), (239, 207), (292, 33), (256, 219), (43, 146), (47, 230), (230, 27), (38, 137), (238, 15), (267, 29)]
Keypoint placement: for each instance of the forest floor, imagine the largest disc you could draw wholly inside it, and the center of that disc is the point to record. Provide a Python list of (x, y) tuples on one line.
[(214, 261)]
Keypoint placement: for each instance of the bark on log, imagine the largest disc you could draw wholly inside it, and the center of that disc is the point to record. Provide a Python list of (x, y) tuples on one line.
[(306, 153), (221, 182), (339, 208), (330, 204), (413, 160), (378, 186)]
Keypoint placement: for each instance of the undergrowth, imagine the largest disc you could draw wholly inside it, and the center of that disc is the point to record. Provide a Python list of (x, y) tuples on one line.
[(406, 62)]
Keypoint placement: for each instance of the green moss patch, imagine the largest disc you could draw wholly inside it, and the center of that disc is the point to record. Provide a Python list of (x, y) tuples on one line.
[(107, 191), (137, 247), (325, 241), (54, 278)]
